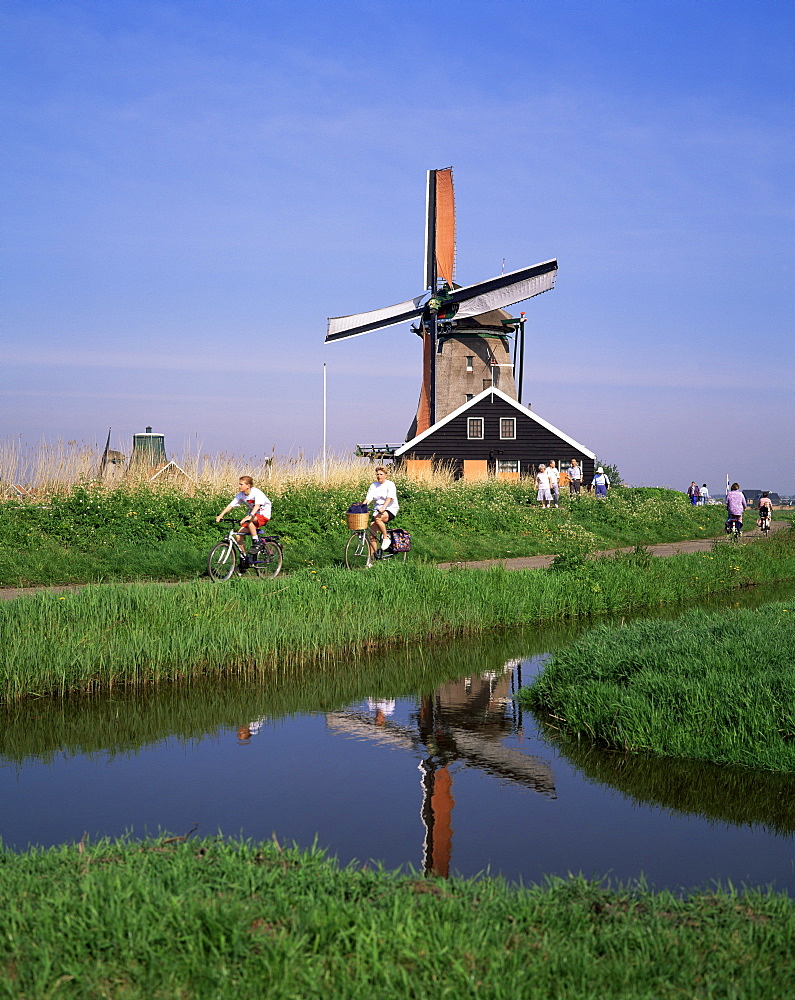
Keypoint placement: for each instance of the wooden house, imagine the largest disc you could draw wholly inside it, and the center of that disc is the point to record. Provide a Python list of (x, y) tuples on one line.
[(493, 435)]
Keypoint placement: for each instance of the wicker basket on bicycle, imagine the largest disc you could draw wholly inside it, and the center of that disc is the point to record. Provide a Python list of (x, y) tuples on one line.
[(357, 516)]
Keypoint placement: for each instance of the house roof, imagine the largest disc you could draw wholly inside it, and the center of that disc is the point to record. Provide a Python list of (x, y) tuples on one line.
[(491, 391)]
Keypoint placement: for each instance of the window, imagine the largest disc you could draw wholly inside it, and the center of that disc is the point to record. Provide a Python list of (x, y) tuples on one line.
[(475, 428), (470, 364), (509, 466), (469, 395), (488, 383), (507, 428)]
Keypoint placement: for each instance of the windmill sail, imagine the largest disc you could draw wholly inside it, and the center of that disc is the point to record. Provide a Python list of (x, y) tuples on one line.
[(340, 327), (506, 290), (440, 228)]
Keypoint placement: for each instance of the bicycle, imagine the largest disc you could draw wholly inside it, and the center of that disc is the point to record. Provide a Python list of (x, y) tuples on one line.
[(764, 523), (228, 556), (734, 529), (357, 549)]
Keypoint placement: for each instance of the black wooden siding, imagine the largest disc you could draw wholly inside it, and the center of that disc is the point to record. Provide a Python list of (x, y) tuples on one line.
[(533, 444)]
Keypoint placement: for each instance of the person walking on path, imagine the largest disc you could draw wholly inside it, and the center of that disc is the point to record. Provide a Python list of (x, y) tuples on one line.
[(703, 495), (693, 492), (601, 483), (575, 478), (554, 476), (542, 483)]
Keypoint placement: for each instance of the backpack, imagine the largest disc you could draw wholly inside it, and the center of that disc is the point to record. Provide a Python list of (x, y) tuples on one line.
[(401, 540)]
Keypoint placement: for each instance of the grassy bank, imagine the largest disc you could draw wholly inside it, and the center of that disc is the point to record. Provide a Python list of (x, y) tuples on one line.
[(213, 919), (711, 686), (95, 534), (145, 633)]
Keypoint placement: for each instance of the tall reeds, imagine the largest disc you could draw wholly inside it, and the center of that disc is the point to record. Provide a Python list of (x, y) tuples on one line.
[(101, 636)]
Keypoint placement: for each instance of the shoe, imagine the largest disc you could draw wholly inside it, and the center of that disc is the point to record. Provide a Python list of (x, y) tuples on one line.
[(385, 543)]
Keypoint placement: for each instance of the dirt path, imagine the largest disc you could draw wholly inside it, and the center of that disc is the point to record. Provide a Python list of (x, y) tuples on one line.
[(520, 562), (664, 549)]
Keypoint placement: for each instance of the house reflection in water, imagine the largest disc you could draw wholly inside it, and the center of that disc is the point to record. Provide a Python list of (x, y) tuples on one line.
[(464, 721)]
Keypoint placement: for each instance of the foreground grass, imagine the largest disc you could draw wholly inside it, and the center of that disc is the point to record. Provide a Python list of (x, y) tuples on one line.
[(93, 534), (216, 919), (710, 686), (103, 636)]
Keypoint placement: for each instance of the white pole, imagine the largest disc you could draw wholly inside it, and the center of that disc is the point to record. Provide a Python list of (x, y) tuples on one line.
[(324, 421)]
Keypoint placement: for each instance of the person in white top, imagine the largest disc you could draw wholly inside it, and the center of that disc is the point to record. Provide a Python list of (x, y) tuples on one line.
[(554, 478), (575, 478), (259, 510), (542, 482), (383, 496)]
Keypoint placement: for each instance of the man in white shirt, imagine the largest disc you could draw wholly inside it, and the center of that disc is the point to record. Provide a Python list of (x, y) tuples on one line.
[(575, 478), (554, 478)]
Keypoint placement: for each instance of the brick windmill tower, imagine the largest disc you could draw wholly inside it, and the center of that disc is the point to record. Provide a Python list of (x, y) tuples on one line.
[(465, 331)]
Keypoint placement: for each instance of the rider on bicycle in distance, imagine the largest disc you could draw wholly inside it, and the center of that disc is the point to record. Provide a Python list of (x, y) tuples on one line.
[(383, 496), (765, 506), (735, 505), (259, 511)]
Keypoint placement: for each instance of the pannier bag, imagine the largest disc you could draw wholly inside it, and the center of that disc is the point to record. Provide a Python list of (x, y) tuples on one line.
[(401, 540)]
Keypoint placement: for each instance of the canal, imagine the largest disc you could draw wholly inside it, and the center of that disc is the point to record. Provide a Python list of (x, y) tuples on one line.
[(418, 757)]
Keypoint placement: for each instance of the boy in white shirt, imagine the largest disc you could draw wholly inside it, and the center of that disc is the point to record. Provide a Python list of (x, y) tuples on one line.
[(259, 510)]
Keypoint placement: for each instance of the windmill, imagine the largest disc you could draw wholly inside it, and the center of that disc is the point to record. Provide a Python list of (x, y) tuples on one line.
[(445, 311)]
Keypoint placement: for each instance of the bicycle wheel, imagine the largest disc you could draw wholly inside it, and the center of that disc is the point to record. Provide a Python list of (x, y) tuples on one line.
[(357, 551), (268, 561), (222, 560), (765, 525)]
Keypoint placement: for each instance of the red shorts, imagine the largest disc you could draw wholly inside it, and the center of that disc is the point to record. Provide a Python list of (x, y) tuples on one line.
[(259, 520)]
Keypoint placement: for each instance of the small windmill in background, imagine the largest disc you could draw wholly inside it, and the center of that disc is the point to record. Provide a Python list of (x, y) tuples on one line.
[(464, 330)]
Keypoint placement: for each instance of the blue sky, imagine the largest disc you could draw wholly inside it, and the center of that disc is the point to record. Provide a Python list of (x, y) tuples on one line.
[(192, 186)]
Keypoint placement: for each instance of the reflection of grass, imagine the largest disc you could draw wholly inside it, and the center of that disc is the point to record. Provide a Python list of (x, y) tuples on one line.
[(714, 686), (220, 919), (728, 794), (110, 635), (125, 720)]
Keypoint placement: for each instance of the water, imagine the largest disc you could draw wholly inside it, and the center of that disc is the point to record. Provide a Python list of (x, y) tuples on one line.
[(449, 776)]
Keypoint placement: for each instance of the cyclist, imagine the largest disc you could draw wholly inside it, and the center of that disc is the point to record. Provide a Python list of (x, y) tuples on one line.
[(765, 509), (383, 496), (259, 511), (735, 505)]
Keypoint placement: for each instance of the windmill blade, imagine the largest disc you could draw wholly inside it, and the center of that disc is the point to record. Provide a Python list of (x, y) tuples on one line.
[(506, 290), (340, 327)]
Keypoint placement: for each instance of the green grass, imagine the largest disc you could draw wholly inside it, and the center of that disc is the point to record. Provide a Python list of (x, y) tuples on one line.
[(214, 919), (142, 633), (710, 686), (99, 535)]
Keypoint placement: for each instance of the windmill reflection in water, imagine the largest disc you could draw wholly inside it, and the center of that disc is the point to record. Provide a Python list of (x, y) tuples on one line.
[(462, 721)]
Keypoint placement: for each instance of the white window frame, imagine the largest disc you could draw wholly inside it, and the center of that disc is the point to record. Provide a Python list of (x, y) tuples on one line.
[(508, 437), (501, 462), (470, 435)]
